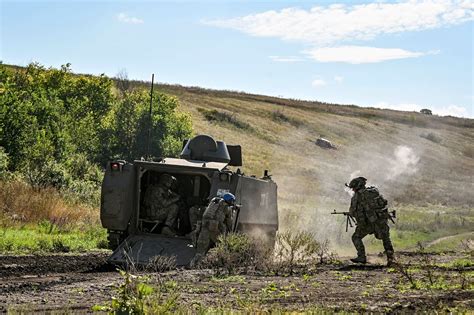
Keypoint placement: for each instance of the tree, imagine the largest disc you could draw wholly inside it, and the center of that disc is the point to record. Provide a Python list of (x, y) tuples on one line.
[(48, 116), (426, 111), (131, 122)]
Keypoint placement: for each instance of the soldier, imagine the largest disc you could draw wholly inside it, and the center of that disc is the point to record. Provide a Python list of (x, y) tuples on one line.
[(161, 204), (216, 220), (369, 209)]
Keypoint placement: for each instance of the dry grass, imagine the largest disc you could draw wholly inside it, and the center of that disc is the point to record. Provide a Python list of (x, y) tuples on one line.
[(20, 204)]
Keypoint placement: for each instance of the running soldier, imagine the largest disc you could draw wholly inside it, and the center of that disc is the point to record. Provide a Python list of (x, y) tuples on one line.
[(161, 204), (369, 208)]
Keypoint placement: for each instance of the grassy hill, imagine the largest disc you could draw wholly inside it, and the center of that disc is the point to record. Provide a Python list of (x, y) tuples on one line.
[(424, 165)]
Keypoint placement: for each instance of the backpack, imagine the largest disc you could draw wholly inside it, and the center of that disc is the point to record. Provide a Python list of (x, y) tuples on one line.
[(373, 199), (374, 204)]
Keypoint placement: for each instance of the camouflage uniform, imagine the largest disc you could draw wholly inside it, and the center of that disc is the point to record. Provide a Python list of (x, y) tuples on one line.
[(195, 217), (368, 208), (216, 220), (160, 202)]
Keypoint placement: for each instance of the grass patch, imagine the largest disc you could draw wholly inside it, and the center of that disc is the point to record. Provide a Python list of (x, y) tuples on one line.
[(280, 117), (36, 239), (213, 115)]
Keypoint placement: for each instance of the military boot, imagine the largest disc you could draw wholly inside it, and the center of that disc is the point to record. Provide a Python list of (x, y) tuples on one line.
[(390, 258), (359, 260)]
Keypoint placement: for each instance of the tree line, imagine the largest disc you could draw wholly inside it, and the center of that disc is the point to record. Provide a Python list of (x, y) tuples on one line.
[(58, 128)]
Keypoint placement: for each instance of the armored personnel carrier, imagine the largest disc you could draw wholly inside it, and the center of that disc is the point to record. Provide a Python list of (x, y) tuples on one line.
[(201, 173)]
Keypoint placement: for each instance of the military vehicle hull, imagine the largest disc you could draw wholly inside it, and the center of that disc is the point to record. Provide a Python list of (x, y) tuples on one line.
[(134, 236)]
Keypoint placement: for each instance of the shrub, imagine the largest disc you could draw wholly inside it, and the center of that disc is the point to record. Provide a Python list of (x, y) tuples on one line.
[(279, 116), (431, 137), (232, 252), (293, 249), (48, 174), (161, 263), (224, 117)]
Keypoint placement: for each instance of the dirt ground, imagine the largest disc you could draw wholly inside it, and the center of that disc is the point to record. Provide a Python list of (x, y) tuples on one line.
[(76, 282)]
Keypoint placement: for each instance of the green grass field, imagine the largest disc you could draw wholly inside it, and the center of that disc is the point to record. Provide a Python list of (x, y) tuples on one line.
[(40, 238)]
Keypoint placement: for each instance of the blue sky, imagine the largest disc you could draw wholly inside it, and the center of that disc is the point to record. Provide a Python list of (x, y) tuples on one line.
[(394, 54)]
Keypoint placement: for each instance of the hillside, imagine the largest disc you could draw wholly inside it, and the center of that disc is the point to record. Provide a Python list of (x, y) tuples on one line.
[(423, 164), (434, 164)]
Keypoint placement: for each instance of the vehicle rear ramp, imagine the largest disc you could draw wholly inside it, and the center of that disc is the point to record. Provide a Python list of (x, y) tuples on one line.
[(139, 249)]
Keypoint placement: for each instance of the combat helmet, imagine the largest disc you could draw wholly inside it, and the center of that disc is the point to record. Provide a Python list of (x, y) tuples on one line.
[(357, 183), (229, 198), (167, 180)]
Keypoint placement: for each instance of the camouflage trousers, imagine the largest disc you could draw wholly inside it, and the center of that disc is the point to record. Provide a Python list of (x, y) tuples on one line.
[(167, 215), (380, 229), (195, 215), (208, 236)]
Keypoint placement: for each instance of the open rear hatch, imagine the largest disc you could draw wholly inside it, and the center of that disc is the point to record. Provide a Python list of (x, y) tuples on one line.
[(140, 248)]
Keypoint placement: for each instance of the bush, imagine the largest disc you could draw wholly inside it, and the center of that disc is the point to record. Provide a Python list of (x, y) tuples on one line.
[(47, 174), (294, 249), (233, 252), (161, 263), (224, 117), (279, 116), (431, 137)]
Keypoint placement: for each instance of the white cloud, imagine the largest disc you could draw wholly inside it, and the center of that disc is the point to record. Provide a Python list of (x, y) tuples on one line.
[(361, 54), (327, 25), (450, 110), (338, 78), (123, 17), (453, 110), (318, 83), (290, 59)]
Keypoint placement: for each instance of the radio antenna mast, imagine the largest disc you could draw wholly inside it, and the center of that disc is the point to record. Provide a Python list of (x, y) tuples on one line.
[(150, 119)]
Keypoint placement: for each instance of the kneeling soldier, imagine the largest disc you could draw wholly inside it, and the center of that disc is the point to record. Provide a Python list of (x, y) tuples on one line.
[(216, 220)]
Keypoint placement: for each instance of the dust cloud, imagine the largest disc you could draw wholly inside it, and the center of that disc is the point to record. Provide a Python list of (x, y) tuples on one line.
[(316, 186), (404, 162)]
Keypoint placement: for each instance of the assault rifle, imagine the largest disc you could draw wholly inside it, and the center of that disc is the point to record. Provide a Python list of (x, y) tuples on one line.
[(392, 215), (350, 221)]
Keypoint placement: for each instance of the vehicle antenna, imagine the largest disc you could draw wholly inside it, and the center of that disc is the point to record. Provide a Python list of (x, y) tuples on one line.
[(150, 119)]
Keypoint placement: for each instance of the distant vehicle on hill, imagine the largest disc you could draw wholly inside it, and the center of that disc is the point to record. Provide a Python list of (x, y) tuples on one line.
[(325, 143)]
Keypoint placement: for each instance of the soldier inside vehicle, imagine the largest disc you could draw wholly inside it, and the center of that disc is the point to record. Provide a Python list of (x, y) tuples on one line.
[(172, 204)]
